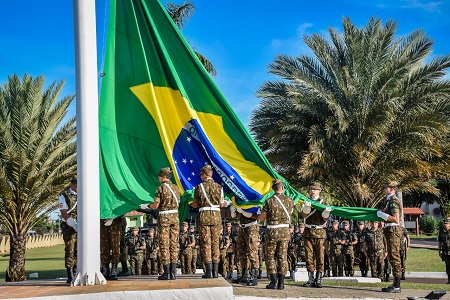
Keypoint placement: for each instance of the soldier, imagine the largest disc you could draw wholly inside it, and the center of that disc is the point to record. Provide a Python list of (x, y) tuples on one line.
[(360, 258), (151, 252), (123, 260), (230, 252), (135, 247), (404, 246), (300, 236), (393, 232), (374, 248), (444, 246), (237, 263), (69, 227), (194, 249), (315, 236), (208, 196), (334, 247), (223, 247), (110, 234), (277, 210), (348, 240), (186, 244), (247, 242), (292, 251)]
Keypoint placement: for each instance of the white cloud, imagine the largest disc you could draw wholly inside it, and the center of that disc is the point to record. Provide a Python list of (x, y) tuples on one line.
[(428, 6), (293, 45)]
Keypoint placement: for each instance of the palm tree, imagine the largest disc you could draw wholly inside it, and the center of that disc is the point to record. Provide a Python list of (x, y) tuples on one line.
[(180, 14), (37, 158), (365, 108)]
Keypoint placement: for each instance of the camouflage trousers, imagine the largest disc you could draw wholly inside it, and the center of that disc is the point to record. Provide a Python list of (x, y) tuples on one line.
[(446, 259), (387, 266), (152, 265), (362, 261), (376, 261), (70, 245), (230, 262), (194, 260), (393, 235), (403, 260), (247, 244), (277, 240), (209, 243), (186, 260), (337, 263), (168, 241), (136, 260), (349, 260), (292, 260), (315, 254), (223, 264), (110, 242)]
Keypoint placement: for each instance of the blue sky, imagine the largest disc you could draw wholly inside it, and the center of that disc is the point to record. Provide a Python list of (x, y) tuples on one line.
[(239, 37)]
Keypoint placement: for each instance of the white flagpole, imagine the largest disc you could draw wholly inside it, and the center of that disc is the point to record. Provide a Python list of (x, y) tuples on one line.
[(88, 271)]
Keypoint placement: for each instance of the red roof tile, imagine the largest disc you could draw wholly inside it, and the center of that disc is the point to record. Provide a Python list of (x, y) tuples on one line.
[(412, 211)]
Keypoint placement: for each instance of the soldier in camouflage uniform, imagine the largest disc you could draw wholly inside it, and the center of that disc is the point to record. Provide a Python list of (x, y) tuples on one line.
[(393, 233), (230, 252), (348, 240), (110, 234), (334, 248), (194, 249), (292, 250), (247, 243), (208, 196), (277, 212), (224, 244), (404, 246), (135, 247), (315, 236), (187, 241), (167, 200), (237, 263), (360, 258), (69, 227), (260, 252), (444, 246), (375, 249), (300, 241), (151, 252)]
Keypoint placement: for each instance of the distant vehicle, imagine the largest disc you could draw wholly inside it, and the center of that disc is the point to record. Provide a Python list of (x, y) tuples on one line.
[(32, 233)]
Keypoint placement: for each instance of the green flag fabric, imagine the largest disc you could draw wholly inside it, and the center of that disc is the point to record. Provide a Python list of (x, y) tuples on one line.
[(160, 108)]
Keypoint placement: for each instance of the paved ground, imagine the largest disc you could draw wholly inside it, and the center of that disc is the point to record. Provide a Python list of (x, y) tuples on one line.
[(429, 243)]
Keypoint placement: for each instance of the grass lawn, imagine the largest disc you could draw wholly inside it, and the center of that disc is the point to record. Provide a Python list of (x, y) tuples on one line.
[(424, 260), (48, 262)]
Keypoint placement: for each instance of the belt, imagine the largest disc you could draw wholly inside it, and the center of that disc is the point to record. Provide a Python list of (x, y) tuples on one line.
[(390, 224), (215, 208), (172, 211), (314, 226), (277, 226), (249, 224)]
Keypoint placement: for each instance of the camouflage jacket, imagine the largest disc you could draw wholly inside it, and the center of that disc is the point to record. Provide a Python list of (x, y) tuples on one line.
[(275, 212), (360, 237), (444, 238), (224, 240), (184, 240), (232, 242), (299, 240), (375, 241), (167, 201), (151, 244), (404, 241), (214, 192), (315, 218), (393, 206), (348, 237), (333, 239), (133, 243), (71, 200)]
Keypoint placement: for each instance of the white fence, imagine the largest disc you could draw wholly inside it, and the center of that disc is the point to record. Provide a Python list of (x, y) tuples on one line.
[(37, 241)]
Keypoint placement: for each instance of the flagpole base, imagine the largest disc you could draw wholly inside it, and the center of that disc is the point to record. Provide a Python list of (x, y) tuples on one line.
[(90, 278)]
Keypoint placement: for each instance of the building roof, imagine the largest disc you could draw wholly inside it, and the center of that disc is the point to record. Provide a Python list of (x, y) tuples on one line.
[(412, 211), (134, 213)]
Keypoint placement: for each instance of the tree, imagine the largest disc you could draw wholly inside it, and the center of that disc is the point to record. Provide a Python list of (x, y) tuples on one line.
[(180, 14), (37, 158), (365, 108)]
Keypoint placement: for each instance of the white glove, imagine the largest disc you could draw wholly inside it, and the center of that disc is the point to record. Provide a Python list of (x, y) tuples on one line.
[(382, 215), (247, 214), (72, 223), (306, 208), (144, 206), (109, 222), (239, 210), (233, 211), (326, 212)]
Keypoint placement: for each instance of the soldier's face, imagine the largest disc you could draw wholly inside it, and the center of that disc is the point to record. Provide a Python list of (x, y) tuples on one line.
[(185, 228), (291, 230), (447, 226), (314, 192), (335, 226), (302, 229), (375, 225), (346, 227), (135, 232), (151, 233)]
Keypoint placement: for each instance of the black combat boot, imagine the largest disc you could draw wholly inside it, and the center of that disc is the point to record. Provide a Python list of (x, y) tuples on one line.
[(386, 278), (273, 282), (173, 271), (124, 271), (259, 274), (394, 288), (69, 275), (328, 273), (238, 279), (310, 281), (403, 276), (245, 277), (215, 270), (280, 278), (254, 276), (318, 281), (113, 274), (208, 271), (166, 274)]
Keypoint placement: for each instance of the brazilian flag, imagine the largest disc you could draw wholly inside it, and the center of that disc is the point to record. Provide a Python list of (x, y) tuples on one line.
[(160, 108)]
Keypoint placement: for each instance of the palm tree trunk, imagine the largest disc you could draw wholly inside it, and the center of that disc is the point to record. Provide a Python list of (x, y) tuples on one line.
[(16, 270)]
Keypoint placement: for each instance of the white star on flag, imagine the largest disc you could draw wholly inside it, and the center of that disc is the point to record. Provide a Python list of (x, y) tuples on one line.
[(188, 139), (184, 160), (232, 177), (191, 161), (193, 174)]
